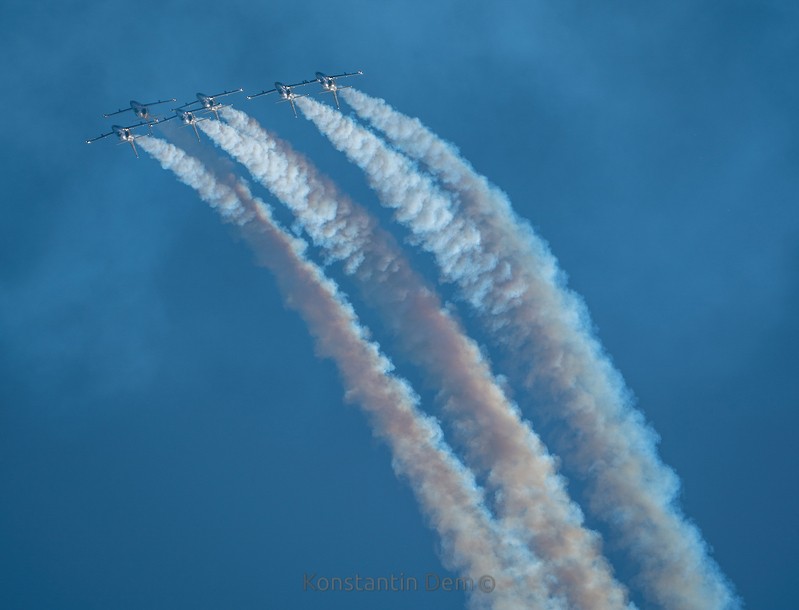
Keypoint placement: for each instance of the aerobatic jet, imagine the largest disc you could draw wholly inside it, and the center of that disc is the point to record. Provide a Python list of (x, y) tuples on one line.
[(188, 117), (286, 93), (125, 134), (329, 83), (140, 110), (208, 102)]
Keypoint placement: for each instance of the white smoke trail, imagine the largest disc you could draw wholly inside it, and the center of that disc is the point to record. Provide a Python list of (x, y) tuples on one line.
[(532, 498), (447, 492), (511, 279)]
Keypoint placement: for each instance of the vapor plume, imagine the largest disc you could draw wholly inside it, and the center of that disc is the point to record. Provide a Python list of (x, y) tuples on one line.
[(531, 497), (472, 543), (510, 278)]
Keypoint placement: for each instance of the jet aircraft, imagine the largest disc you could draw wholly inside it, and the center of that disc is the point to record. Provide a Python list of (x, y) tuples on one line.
[(188, 117), (208, 102), (329, 83), (286, 93), (125, 134), (140, 110)]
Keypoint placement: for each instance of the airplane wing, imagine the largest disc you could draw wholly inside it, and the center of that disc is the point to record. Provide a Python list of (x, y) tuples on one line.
[(160, 102), (117, 112), (150, 123), (187, 104), (174, 116), (249, 97), (358, 73), (100, 137), (224, 93), (196, 111), (302, 84)]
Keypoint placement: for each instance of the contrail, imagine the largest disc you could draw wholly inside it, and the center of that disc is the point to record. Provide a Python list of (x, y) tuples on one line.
[(513, 282), (532, 499), (472, 543)]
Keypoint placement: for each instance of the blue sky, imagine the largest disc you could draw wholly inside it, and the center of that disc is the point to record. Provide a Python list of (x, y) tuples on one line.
[(168, 438)]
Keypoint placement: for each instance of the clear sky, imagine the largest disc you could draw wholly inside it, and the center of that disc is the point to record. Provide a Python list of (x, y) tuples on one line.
[(168, 438)]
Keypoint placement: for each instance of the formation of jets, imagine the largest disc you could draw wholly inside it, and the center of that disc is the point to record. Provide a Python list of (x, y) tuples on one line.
[(187, 113)]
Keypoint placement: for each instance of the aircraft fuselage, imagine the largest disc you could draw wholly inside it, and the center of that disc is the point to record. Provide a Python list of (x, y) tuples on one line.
[(328, 84), (284, 91), (123, 133), (206, 101), (140, 110)]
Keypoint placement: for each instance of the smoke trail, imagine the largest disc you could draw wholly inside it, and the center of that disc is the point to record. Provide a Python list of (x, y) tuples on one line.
[(472, 543), (511, 279), (532, 498)]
